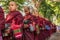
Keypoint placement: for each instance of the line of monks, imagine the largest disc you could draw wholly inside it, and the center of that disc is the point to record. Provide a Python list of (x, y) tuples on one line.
[(28, 27)]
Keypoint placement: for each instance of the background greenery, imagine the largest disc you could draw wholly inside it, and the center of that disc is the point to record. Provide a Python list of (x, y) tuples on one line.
[(49, 9)]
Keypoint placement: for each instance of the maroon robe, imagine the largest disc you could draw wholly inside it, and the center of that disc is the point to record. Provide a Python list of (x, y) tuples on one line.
[(43, 32), (39, 22), (2, 19), (28, 35), (52, 26), (15, 17), (36, 20), (2, 22)]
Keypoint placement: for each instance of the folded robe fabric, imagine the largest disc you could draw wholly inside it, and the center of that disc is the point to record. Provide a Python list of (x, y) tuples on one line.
[(2, 23)]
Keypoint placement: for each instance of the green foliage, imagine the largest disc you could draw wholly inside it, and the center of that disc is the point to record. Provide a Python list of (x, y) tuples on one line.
[(5, 4), (46, 9), (49, 8)]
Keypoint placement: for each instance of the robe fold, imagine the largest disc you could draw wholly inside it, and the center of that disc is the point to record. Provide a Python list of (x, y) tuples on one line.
[(2, 23), (2, 19)]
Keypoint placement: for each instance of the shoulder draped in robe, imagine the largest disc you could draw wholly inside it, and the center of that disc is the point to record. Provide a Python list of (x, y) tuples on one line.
[(2, 22)]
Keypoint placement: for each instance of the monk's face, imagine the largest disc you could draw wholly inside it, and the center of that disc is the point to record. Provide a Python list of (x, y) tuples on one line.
[(27, 10), (12, 6), (36, 13)]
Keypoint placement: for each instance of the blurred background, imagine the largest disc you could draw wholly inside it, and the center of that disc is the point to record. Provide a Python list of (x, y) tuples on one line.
[(47, 8)]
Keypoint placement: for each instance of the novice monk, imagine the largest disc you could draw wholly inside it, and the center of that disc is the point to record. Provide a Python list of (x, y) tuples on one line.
[(41, 22), (15, 20), (2, 23), (29, 25), (44, 26)]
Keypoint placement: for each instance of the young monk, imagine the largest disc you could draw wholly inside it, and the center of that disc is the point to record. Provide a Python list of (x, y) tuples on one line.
[(39, 23), (2, 23), (41, 26), (29, 25), (15, 20), (45, 27)]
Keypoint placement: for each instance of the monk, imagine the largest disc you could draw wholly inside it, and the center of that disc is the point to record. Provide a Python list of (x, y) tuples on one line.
[(15, 20), (29, 25), (43, 34), (42, 22), (2, 23)]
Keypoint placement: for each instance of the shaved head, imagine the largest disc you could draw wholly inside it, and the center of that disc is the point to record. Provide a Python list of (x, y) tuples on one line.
[(12, 2), (12, 6)]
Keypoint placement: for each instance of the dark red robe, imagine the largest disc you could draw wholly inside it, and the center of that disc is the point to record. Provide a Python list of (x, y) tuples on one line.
[(44, 33), (52, 27), (2, 22), (2, 19), (15, 19), (39, 22), (36, 20), (29, 35)]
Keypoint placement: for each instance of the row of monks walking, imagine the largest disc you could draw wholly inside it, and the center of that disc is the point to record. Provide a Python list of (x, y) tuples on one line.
[(28, 27)]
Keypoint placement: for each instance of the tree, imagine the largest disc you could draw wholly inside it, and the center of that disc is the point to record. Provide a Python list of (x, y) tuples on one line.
[(49, 8), (5, 4)]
